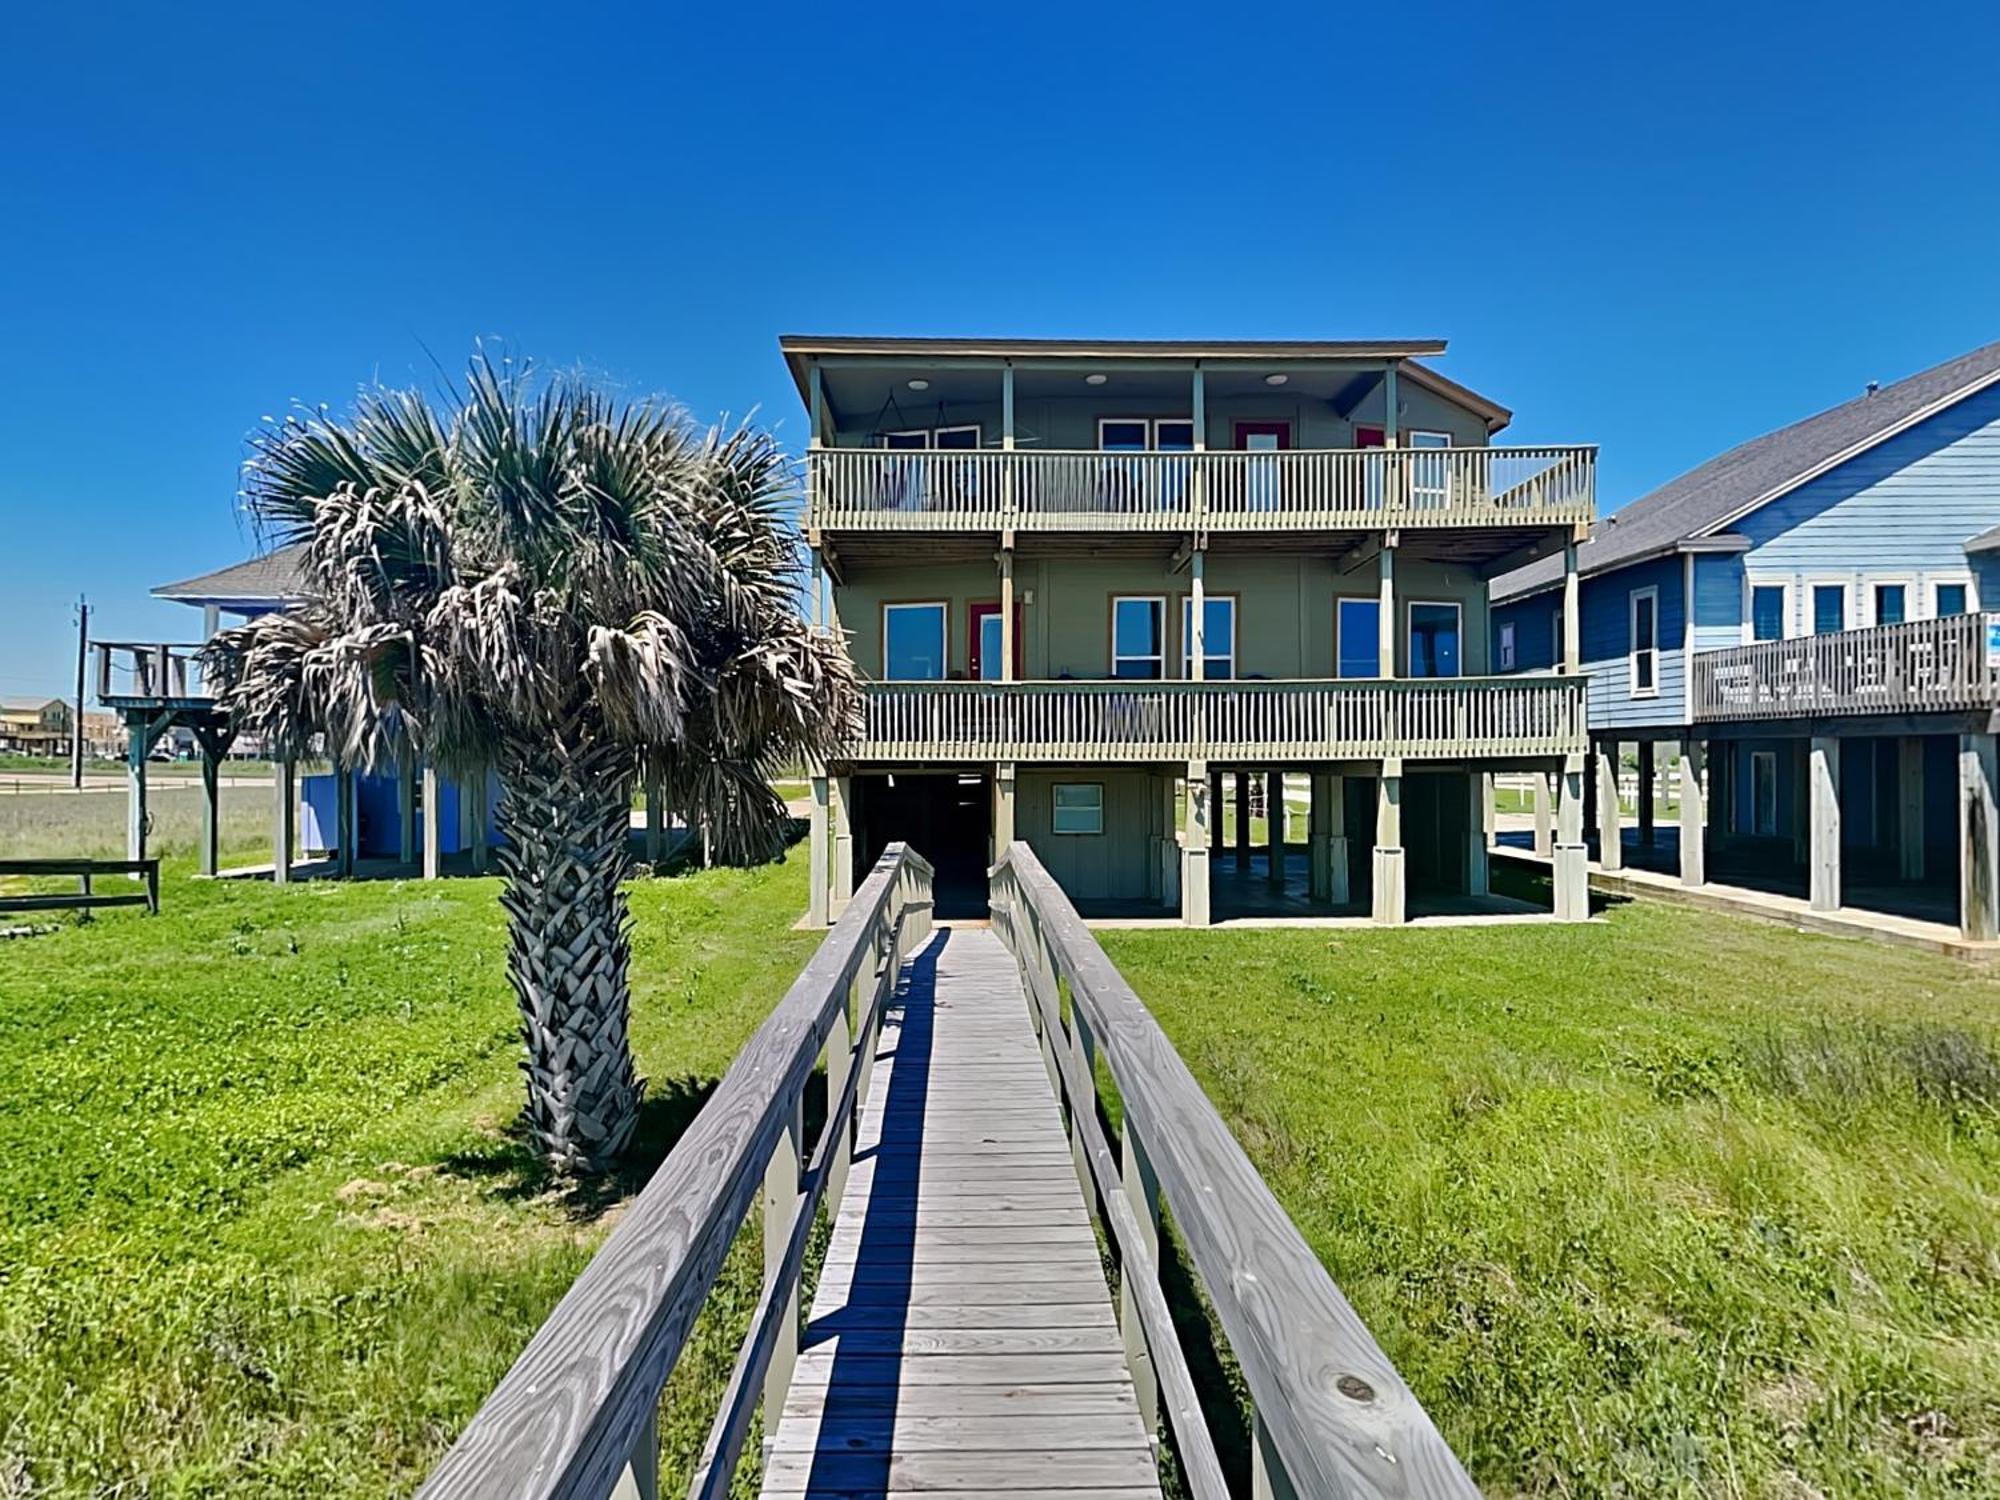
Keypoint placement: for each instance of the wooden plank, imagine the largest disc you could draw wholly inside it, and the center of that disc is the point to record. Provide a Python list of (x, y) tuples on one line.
[(1085, 1312), (1002, 1469), (967, 1400), (848, 1343), (69, 901), (853, 1432)]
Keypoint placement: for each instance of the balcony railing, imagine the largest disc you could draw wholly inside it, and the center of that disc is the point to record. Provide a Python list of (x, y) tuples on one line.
[(1119, 721), (1329, 488), (149, 673), (1919, 666)]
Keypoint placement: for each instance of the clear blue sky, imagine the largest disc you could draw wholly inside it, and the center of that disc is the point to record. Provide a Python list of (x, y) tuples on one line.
[(1660, 232)]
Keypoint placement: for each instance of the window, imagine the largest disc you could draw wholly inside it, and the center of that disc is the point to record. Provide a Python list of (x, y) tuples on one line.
[(1172, 435), (1078, 807), (956, 437), (913, 642), (1145, 434), (1506, 654), (1434, 640), (1949, 599), (1218, 629), (966, 436), (1122, 436), (1138, 637), (918, 439), (1829, 608), (1430, 471), (1764, 793), (1767, 611), (1888, 601), (1643, 644), (1358, 637), (1556, 637)]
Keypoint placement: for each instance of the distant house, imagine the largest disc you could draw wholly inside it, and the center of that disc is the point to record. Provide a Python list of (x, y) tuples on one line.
[(35, 726), (1804, 606)]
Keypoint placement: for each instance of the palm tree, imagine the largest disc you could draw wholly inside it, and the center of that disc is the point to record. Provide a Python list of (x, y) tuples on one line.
[(544, 580)]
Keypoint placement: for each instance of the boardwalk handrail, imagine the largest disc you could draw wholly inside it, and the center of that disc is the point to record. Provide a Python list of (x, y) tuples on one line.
[(1332, 1416), (578, 1411), (1916, 666)]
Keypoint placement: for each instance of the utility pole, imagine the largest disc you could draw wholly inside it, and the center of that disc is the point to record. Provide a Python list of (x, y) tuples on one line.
[(76, 729)]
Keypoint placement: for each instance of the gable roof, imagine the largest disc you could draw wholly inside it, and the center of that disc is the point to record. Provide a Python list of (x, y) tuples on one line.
[(274, 578), (1714, 495), (28, 705)]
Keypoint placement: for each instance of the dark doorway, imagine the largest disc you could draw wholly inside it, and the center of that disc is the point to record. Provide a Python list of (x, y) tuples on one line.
[(945, 818)]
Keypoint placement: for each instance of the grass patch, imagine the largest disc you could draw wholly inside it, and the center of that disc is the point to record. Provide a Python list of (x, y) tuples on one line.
[(264, 1228), (91, 824), (1671, 1204)]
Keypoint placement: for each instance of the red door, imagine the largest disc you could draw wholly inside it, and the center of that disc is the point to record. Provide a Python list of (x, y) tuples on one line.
[(1263, 435), (1370, 437), (983, 637)]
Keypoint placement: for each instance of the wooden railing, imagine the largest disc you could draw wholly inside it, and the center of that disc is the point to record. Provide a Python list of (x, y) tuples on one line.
[(1324, 488), (576, 1416), (148, 672), (1122, 720), (1332, 1416), (87, 898), (1919, 666)]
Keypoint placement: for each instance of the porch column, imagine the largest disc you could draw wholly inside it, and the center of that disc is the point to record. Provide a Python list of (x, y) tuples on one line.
[(1477, 882), (406, 811), (1007, 646), (1694, 815), (842, 806), (1242, 820), (138, 745), (1170, 844), (1571, 874), (1325, 840), (1978, 837), (1274, 822), (211, 802), (1385, 574), (347, 820), (655, 818), (479, 809), (1194, 845), (1197, 617), (1389, 903), (1610, 828), (1645, 794), (1003, 809), (1544, 815), (1823, 813), (1572, 641), (1489, 808), (433, 829), (817, 872), (284, 820), (1910, 807)]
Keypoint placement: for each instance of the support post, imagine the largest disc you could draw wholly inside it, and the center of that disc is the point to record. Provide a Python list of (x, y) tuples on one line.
[(1477, 877), (284, 820), (346, 820), (1007, 646), (1385, 624), (843, 844), (1319, 839), (1572, 641), (1198, 812), (476, 789), (1003, 809), (656, 834), (433, 831), (1978, 837), (1274, 823), (138, 745), (1242, 820), (211, 804), (781, 1206), (1142, 1195), (1610, 826), (1694, 815), (1197, 615), (1545, 814), (1389, 904), (1571, 875), (1823, 811), (818, 873), (406, 812), (1646, 772), (1910, 807)]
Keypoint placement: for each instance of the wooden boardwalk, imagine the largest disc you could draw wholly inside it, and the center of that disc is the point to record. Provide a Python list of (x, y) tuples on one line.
[(962, 1335)]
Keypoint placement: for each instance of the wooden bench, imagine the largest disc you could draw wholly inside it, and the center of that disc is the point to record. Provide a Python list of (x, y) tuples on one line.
[(85, 870)]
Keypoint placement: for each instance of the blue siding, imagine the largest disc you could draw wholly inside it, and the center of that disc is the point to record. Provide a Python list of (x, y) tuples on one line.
[(1718, 601), (1900, 512), (1607, 643)]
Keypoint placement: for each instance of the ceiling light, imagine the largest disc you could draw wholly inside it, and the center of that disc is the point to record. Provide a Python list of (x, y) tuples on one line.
[(920, 385), (1094, 379), (1276, 379)]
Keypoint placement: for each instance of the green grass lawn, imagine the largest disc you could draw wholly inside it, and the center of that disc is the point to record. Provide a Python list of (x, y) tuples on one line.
[(91, 824), (262, 1227), (1670, 1204)]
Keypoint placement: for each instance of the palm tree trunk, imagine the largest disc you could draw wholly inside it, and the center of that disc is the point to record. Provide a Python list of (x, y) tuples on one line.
[(566, 811)]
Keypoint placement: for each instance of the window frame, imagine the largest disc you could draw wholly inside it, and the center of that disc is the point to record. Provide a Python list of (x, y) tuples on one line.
[(943, 607), (1151, 425), (976, 429), (1429, 497), (1506, 652), (1209, 653), (1810, 615), (1056, 830), (1373, 601), (1457, 607), (1786, 614), (1872, 607), (1951, 580), (1770, 758), (1633, 650), (1112, 655)]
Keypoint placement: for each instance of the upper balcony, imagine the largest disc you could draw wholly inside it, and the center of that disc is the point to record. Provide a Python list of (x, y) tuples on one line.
[(1943, 666), (1021, 439)]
